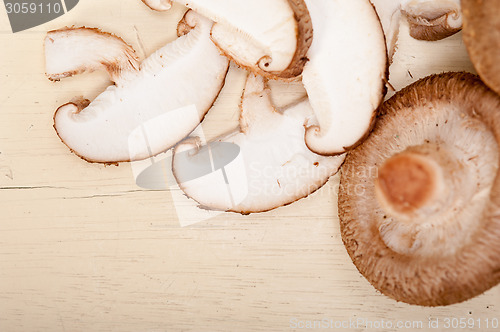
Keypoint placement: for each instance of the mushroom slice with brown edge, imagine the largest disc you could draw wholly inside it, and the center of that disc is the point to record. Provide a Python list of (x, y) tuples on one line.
[(273, 167), (159, 5), (270, 38), (389, 13), (428, 19), (72, 51), (482, 38), (345, 75), (167, 97), (418, 200)]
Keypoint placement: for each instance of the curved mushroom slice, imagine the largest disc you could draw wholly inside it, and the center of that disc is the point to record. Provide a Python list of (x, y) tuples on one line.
[(270, 38), (273, 167), (432, 19), (482, 38), (346, 73), (428, 19), (418, 200), (159, 5), (72, 51), (171, 93), (389, 13)]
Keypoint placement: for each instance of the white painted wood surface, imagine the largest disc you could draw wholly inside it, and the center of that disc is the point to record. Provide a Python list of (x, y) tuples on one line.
[(82, 248)]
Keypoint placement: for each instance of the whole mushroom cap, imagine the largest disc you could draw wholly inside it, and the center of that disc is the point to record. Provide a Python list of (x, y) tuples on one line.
[(419, 199), (481, 34)]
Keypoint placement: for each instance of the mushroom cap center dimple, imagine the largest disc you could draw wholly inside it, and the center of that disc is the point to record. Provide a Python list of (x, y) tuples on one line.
[(407, 181)]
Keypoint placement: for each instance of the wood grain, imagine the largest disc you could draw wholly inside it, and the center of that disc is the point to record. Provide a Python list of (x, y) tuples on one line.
[(82, 248)]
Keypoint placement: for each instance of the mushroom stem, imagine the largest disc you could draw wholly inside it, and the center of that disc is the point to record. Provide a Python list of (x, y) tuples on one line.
[(415, 180), (413, 187)]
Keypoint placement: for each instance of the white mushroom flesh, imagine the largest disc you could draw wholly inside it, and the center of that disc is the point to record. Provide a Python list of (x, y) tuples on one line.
[(159, 5), (418, 200), (345, 75), (274, 166), (389, 12), (462, 179), (442, 15), (185, 75), (259, 33), (427, 10), (73, 51)]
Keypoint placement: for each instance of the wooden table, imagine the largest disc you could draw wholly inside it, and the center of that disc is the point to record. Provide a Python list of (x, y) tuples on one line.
[(82, 248)]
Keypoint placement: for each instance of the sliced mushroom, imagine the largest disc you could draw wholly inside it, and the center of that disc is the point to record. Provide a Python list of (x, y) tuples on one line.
[(270, 38), (432, 19), (418, 200), (159, 5), (168, 96), (345, 74), (72, 51), (482, 38), (428, 19), (263, 165)]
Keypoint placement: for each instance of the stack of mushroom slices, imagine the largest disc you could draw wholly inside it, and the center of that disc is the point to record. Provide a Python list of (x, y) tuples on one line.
[(283, 155)]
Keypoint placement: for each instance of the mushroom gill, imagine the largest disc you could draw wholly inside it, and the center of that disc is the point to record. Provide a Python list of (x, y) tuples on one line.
[(432, 19), (418, 200)]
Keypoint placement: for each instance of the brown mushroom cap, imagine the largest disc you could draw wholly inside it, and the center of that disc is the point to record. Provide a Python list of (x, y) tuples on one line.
[(419, 199), (482, 38)]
